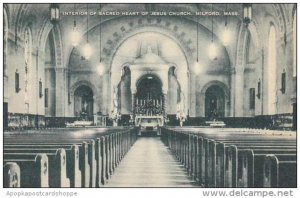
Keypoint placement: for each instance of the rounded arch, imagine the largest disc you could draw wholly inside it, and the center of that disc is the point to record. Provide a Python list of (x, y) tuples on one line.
[(214, 102), (133, 31), (73, 100), (159, 32), (218, 83), (149, 29), (135, 27), (82, 83), (149, 88), (84, 102), (149, 76), (201, 98)]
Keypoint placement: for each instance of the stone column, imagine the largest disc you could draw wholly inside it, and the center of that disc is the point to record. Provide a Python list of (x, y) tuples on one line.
[(192, 95), (133, 106), (60, 92), (165, 100), (239, 92), (232, 92), (133, 103), (105, 95)]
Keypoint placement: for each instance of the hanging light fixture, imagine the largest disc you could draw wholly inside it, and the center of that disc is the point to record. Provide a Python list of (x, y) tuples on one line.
[(247, 13), (101, 67), (87, 49), (75, 35), (197, 67), (54, 13), (212, 49), (226, 37)]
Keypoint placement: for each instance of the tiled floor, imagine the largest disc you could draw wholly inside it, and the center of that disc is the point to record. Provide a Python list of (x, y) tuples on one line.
[(149, 163)]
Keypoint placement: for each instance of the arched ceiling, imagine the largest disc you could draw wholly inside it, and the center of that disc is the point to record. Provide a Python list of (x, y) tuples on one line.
[(38, 15)]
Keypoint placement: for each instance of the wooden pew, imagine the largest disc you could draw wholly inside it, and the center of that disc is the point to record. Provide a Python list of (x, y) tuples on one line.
[(224, 160), (86, 163), (209, 151), (280, 171), (102, 156), (92, 163), (33, 169), (11, 175), (104, 159), (210, 167), (56, 161), (250, 164), (72, 154)]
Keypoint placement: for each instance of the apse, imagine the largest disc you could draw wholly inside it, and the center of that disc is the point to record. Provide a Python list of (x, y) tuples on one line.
[(153, 48)]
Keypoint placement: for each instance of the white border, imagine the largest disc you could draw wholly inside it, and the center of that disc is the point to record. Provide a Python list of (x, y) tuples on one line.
[(130, 192)]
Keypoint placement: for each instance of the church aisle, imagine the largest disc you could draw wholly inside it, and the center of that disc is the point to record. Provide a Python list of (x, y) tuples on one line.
[(149, 163)]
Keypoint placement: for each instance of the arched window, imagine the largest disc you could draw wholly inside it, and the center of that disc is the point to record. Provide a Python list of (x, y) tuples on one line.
[(271, 71), (28, 57), (294, 45)]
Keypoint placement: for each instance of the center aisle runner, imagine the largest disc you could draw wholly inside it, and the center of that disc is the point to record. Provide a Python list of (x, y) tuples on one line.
[(149, 163)]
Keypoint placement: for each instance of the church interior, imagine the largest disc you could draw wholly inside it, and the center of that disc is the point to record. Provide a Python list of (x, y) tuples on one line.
[(93, 78)]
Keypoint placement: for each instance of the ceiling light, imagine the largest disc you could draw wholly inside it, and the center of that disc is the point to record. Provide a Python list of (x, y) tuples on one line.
[(198, 68), (247, 13), (87, 51), (75, 35), (226, 37), (212, 51), (54, 13), (101, 69)]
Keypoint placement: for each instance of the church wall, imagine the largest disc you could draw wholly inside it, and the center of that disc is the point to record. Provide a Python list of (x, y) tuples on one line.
[(18, 114), (114, 35), (115, 31)]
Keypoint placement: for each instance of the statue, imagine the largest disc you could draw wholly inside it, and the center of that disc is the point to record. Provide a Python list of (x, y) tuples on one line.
[(115, 115), (85, 104), (181, 116)]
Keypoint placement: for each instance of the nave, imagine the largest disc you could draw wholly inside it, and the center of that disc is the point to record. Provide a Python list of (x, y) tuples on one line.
[(78, 91)]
